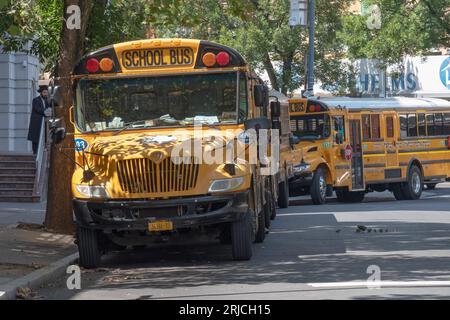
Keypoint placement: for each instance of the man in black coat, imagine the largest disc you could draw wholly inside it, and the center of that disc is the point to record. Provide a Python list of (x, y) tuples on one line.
[(40, 103)]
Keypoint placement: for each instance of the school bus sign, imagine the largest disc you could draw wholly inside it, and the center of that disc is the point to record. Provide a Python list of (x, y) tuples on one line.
[(161, 57)]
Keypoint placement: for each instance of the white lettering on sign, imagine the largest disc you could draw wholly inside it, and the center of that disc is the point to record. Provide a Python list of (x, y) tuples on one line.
[(74, 19)]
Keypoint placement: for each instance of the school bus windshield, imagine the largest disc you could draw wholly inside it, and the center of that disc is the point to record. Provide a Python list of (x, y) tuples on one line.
[(164, 101), (311, 127)]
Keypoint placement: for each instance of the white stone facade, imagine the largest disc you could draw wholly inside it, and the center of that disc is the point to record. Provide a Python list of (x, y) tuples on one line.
[(19, 81)]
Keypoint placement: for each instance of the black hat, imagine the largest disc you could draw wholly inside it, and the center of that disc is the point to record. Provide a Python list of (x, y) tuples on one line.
[(42, 88)]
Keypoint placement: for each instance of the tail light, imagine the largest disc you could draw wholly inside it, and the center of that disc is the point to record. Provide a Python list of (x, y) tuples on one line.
[(223, 59), (92, 65)]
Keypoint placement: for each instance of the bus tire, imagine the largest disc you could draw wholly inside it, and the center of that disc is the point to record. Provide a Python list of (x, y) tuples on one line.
[(412, 189), (242, 238), (268, 210), (88, 247), (273, 209), (431, 186), (261, 231), (318, 188), (283, 194), (398, 191)]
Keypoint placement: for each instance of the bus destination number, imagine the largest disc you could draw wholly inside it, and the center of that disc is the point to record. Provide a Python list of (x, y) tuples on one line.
[(297, 107), (164, 57)]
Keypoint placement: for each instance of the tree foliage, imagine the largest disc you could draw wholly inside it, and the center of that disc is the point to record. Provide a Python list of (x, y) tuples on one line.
[(408, 27)]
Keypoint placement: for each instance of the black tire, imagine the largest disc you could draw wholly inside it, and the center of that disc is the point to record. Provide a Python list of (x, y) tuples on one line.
[(261, 231), (283, 194), (412, 189), (268, 213), (88, 247), (431, 186), (398, 192), (318, 188), (242, 238), (350, 196), (273, 209)]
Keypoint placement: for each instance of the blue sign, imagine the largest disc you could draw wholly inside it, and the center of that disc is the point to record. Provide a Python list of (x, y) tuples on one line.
[(81, 144), (445, 73)]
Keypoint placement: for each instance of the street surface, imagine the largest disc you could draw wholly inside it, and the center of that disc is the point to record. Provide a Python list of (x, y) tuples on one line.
[(311, 252)]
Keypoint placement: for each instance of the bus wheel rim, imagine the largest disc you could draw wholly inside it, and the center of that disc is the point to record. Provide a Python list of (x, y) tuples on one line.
[(415, 183), (323, 187)]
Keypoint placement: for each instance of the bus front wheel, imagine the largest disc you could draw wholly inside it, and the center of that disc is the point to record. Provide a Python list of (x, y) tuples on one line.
[(88, 247), (242, 238), (318, 188), (283, 194)]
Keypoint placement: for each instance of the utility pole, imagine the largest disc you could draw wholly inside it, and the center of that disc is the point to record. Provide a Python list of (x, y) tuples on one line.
[(310, 59)]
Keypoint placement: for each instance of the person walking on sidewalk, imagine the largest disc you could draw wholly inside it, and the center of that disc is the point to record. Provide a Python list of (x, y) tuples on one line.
[(38, 113)]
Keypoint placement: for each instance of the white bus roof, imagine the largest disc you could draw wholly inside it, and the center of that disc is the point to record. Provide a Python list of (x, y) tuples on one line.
[(397, 103)]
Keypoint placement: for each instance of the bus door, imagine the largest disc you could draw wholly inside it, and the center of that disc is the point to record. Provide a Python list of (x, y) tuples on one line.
[(390, 143), (357, 155)]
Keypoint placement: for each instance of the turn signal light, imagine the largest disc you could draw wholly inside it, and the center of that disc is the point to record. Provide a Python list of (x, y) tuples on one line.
[(106, 64), (209, 59)]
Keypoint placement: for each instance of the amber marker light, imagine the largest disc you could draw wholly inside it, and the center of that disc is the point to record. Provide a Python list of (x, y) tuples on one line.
[(209, 59), (106, 64)]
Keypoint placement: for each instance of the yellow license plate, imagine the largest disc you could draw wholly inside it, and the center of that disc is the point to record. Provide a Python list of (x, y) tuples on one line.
[(161, 225)]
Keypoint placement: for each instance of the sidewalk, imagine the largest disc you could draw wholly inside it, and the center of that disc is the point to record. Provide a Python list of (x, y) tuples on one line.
[(26, 248)]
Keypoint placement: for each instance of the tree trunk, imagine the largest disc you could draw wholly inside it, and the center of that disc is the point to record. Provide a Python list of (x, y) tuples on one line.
[(271, 72), (287, 73), (59, 201)]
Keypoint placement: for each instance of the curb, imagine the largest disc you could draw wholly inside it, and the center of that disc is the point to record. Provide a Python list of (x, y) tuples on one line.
[(38, 277)]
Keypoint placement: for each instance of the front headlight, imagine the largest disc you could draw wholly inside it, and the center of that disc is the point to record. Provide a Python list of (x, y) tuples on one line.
[(226, 184), (302, 167), (92, 191)]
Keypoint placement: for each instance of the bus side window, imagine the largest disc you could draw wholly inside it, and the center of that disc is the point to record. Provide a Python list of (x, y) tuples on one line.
[(438, 124), (430, 124), (412, 125), (447, 123), (389, 127), (421, 122), (339, 128), (366, 127), (375, 126), (403, 125)]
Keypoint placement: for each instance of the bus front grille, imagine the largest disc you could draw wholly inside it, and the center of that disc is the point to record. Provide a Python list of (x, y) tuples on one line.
[(146, 176)]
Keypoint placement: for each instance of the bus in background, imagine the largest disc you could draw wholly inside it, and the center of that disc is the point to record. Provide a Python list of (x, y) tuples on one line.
[(137, 102), (358, 145)]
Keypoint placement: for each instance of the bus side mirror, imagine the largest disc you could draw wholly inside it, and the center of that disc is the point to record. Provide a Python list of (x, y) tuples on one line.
[(275, 109), (260, 95), (293, 140), (58, 135), (55, 95)]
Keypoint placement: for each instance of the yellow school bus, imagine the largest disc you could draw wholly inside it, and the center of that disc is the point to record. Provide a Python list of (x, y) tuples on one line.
[(146, 114), (358, 145)]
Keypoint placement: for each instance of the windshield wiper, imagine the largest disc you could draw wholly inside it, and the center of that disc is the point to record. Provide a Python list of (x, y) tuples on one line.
[(128, 126)]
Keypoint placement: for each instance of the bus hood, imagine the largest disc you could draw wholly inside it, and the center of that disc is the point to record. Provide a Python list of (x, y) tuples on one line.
[(145, 144)]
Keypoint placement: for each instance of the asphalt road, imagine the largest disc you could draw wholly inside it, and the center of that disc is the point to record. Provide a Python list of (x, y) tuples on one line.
[(311, 252)]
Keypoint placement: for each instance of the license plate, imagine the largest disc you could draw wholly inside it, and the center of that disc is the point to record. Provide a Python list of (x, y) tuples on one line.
[(161, 225)]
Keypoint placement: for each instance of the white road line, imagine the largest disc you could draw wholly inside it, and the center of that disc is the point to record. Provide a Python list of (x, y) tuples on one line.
[(379, 284)]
